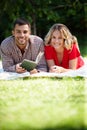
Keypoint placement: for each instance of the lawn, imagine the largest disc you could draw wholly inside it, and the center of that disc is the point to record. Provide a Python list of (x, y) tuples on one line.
[(43, 104)]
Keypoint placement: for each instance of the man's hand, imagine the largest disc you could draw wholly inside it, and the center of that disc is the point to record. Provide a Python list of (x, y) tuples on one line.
[(19, 69), (34, 71)]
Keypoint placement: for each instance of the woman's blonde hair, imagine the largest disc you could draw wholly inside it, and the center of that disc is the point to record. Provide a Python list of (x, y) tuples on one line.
[(69, 39)]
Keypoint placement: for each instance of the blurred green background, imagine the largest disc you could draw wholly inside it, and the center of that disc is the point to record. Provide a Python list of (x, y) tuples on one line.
[(42, 14)]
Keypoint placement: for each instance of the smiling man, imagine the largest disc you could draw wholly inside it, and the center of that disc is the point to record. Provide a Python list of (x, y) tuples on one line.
[(21, 45)]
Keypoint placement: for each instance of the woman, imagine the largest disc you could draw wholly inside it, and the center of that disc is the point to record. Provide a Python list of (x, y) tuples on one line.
[(61, 50)]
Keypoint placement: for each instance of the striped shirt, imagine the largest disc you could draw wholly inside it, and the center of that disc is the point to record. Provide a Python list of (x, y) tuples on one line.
[(11, 54)]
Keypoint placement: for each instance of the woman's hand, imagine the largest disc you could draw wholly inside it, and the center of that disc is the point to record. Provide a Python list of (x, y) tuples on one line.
[(57, 69)]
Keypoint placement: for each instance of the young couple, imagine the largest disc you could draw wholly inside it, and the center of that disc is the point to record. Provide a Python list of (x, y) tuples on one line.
[(60, 47)]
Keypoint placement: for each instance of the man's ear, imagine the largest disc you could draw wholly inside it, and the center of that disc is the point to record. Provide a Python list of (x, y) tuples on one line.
[(12, 32)]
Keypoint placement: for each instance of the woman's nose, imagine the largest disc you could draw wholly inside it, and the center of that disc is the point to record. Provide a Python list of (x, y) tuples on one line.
[(57, 40)]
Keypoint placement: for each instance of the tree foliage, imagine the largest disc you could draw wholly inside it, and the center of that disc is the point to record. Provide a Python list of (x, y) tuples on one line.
[(42, 14)]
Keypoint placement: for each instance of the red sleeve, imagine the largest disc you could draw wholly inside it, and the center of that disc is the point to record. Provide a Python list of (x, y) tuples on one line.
[(74, 53), (49, 52)]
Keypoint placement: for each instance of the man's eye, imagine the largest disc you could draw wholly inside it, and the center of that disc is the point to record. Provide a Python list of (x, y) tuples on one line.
[(25, 32), (18, 32)]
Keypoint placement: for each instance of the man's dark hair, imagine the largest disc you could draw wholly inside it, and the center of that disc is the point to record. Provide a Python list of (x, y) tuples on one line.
[(21, 21)]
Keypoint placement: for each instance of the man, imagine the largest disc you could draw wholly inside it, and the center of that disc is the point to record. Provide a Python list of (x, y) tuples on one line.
[(21, 45)]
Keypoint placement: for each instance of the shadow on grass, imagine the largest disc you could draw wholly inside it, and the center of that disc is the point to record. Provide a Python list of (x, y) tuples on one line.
[(60, 128), (65, 128)]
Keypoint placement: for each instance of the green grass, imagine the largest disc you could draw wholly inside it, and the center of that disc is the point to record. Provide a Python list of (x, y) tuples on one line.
[(43, 104)]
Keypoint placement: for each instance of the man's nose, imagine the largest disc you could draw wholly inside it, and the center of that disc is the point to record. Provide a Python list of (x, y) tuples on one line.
[(22, 34)]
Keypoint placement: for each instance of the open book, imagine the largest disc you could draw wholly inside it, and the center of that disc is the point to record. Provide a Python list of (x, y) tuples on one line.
[(30, 65)]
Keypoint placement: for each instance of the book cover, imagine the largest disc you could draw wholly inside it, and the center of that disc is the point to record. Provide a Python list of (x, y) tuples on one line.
[(30, 65)]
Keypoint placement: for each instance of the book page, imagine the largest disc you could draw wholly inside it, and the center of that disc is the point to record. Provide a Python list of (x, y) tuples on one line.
[(39, 56)]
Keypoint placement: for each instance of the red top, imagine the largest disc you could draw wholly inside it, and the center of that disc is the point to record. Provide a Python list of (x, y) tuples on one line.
[(50, 54)]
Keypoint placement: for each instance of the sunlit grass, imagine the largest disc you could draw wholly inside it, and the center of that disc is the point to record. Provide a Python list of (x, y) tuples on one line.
[(43, 103)]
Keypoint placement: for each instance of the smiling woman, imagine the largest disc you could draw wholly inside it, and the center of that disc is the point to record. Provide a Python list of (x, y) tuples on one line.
[(61, 50)]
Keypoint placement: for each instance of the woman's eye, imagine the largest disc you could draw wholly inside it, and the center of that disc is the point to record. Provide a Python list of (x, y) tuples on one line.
[(54, 37)]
